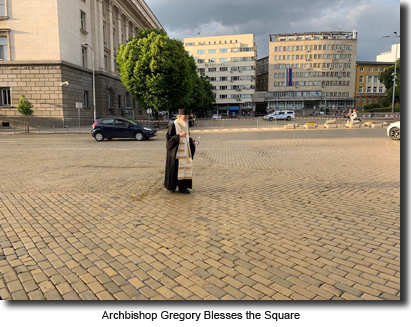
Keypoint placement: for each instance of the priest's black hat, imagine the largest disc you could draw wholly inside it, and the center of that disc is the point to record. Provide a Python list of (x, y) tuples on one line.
[(183, 112)]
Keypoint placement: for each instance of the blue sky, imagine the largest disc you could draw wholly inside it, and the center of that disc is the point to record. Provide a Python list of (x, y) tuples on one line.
[(371, 18)]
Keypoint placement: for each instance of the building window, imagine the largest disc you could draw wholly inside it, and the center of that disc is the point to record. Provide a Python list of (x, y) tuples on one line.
[(83, 25), (3, 7), (200, 51), (223, 50), (369, 89), (360, 90), (361, 79), (5, 97), (127, 99), (85, 100), (370, 69), (223, 96), (106, 62), (213, 69), (110, 98), (223, 59), (361, 69), (4, 48), (212, 60), (84, 56), (3, 10), (211, 51), (377, 69), (200, 61), (223, 69)]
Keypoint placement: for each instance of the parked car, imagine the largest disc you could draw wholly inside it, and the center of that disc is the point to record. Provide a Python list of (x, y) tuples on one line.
[(393, 130), (215, 116), (109, 128), (284, 114)]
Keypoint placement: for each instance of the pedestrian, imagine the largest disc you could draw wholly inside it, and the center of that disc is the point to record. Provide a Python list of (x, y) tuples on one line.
[(180, 153)]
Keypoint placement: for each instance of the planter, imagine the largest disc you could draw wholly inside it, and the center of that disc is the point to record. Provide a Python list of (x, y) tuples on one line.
[(310, 125)]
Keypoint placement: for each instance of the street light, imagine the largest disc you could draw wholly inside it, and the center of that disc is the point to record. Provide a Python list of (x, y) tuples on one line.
[(395, 72), (94, 82)]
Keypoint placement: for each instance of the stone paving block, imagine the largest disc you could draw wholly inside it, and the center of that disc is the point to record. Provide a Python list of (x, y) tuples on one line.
[(307, 249)]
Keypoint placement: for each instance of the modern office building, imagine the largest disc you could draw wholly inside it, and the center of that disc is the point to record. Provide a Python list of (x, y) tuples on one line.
[(312, 70), (230, 63), (49, 49), (368, 87)]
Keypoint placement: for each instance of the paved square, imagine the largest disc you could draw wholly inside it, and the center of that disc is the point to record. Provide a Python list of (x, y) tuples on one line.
[(287, 214)]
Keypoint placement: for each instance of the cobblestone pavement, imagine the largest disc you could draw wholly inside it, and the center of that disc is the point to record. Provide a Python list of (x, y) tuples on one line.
[(285, 215)]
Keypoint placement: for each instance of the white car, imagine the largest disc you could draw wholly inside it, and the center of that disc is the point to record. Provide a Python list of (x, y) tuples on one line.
[(393, 130), (215, 116), (284, 114)]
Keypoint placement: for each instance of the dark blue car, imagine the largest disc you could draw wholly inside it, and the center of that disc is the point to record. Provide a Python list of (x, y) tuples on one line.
[(110, 128)]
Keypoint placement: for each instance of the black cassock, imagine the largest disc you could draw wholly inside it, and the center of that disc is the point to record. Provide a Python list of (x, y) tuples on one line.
[(171, 180)]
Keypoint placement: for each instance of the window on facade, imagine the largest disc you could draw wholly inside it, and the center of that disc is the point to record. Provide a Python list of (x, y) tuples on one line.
[(200, 61), (224, 78), (223, 50), (361, 79), (200, 51), (83, 20), (3, 8), (211, 51), (223, 69), (127, 99), (85, 99), (369, 89), (201, 70), (212, 69), (110, 98), (106, 62), (4, 48), (223, 59), (212, 60), (84, 57), (223, 96), (5, 97)]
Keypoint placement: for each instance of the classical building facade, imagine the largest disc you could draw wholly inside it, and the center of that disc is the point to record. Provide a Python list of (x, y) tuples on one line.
[(313, 70), (230, 63), (48, 52), (368, 87)]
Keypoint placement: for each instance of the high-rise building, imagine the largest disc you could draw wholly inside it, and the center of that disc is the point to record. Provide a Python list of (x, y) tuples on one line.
[(230, 63), (313, 70), (49, 48)]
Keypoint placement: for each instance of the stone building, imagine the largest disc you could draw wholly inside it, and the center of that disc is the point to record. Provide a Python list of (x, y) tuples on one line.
[(48, 53)]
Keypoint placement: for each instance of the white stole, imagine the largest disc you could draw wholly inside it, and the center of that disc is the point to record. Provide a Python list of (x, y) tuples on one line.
[(185, 161)]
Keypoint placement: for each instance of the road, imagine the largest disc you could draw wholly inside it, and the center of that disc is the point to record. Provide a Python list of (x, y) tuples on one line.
[(279, 214)]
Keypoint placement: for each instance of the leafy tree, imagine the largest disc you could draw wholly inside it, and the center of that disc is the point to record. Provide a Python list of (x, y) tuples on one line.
[(386, 77), (202, 98), (24, 107), (157, 70)]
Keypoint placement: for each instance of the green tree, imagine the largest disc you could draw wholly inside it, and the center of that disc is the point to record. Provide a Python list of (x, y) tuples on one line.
[(202, 98), (157, 70), (386, 78), (24, 107)]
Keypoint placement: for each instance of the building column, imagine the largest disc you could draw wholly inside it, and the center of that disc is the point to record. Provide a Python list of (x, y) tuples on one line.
[(99, 48), (119, 27), (127, 30), (110, 37)]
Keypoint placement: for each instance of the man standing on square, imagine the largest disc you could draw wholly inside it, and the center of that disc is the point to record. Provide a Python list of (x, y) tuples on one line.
[(180, 153)]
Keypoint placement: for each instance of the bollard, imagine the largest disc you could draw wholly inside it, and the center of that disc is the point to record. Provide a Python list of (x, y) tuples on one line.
[(14, 132), (38, 128), (54, 130)]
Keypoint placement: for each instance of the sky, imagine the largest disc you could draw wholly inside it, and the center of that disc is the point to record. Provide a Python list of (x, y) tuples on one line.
[(372, 19)]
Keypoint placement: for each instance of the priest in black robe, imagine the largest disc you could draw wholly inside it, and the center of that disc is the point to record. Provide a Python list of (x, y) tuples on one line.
[(180, 153)]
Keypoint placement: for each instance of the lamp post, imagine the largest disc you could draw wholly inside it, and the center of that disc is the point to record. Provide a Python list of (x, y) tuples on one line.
[(94, 82), (394, 73)]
